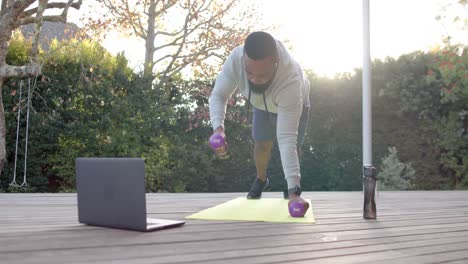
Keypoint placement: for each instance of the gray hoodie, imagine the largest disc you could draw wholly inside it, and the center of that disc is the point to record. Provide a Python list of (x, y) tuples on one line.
[(286, 96)]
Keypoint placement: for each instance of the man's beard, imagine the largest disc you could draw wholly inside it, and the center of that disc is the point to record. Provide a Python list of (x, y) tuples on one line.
[(259, 88)]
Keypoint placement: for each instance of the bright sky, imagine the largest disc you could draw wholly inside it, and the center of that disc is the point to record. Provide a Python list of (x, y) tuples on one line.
[(326, 35)]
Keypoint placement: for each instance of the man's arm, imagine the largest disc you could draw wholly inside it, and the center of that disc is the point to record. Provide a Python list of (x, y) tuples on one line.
[(289, 113), (222, 91)]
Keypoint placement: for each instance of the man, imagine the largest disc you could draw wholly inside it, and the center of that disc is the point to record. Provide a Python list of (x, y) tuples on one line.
[(274, 84)]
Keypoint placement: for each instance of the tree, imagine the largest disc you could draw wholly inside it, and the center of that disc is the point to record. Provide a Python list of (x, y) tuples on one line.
[(82, 106), (453, 18), (394, 174), (332, 147), (13, 14), (449, 72), (177, 33), (405, 107)]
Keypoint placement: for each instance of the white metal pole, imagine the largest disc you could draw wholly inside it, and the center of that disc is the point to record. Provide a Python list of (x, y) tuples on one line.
[(366, 89), (369, 180)]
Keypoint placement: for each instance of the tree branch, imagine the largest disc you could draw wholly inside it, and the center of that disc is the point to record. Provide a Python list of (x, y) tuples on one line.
[(192, 15), (169, 34), (185, 29), (165, 7), (65, 10), (136, 25), (33, 11), (173, 43), (31, 20), (13, 11), (184, 37), (162, 58), (58, 18), (201, 9), (37, 30), (8, 71), (114, 10), (4, 5)]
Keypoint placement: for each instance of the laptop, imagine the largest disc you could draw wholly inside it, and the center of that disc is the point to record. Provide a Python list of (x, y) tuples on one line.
[(111, 193)]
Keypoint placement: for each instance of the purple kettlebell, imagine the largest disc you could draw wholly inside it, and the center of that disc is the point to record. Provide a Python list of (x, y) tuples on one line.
[(296, 209), (218, 143)]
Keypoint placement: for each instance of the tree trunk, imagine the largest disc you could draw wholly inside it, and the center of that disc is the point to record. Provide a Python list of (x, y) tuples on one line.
[(12, 15), (150, 36), (5, 36)]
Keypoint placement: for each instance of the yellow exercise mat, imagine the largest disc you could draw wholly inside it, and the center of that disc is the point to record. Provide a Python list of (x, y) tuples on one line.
[(243, 209)]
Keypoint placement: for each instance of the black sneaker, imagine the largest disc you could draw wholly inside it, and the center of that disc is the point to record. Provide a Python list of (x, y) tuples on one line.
[(257, 188)]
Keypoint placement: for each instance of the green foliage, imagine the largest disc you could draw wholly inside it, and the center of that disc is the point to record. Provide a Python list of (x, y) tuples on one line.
[(19, 50), (89, 103), (449, 72), (332, 152), (394, 174), (77, 108), (454, 142), (405, 105)]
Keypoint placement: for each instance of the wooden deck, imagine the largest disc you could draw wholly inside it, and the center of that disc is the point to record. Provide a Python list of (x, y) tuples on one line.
[(412, 227)]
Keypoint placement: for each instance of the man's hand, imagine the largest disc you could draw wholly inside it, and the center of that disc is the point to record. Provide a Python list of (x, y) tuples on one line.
[(220, 152), (219, 130)]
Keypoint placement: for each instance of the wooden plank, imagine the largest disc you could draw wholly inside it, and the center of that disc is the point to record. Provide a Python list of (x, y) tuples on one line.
[(72, 220), (462, 260), (15, 213), (449, 257), (302, 254), (351, 255), (42, 228), (431, 254), (127, 238), (200, 233), (213, 249)]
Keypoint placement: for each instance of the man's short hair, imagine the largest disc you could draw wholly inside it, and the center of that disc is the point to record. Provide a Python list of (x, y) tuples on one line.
[(259, 45)]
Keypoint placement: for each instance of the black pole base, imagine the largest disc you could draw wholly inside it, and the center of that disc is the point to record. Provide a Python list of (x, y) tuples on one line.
[(369, 182)]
